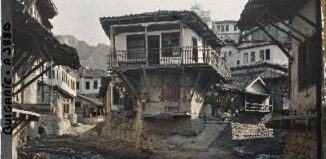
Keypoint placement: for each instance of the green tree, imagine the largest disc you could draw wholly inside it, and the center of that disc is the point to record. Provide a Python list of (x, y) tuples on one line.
[(203, 14)]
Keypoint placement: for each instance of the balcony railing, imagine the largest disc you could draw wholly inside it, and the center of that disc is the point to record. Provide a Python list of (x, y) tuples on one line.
[(258, 107), (167, 56)]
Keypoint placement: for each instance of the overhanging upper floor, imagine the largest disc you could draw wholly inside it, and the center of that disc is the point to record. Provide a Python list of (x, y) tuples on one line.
[(160, 20), (157, 58)]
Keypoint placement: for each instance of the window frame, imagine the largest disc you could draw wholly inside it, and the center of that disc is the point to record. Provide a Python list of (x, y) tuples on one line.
[(253, 56), (87, 85), (173, 49), (262, 55), (95, 84), (267, 53), (245, 58)]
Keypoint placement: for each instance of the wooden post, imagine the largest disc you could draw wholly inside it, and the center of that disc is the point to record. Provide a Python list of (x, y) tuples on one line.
[(181, 42), (51, 75), (146, 45), (42, 87)]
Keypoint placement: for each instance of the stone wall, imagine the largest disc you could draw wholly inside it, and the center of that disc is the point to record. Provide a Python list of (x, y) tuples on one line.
[(249, 131), (181, 135), (172, 92), (53, 124), (250, 125), (301, 144)]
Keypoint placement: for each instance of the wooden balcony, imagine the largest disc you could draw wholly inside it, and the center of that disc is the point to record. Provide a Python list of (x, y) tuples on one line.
[(257, 107), (160, 57)]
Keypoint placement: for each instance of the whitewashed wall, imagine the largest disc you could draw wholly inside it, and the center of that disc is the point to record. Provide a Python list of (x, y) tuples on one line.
[(276, 56), (186, 37), (231, 34), (57, 80), (82, 85)]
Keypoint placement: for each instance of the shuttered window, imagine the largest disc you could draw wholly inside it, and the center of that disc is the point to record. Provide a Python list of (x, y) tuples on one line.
[(307, 65)]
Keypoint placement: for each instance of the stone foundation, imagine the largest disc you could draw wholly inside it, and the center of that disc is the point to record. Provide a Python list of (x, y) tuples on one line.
[(301, 144)]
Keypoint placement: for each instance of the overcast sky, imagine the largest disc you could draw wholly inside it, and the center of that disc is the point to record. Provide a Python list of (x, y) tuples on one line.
[(80, 18)]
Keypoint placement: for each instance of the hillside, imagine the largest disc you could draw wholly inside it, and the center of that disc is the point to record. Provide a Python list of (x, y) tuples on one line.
[(90, 56)]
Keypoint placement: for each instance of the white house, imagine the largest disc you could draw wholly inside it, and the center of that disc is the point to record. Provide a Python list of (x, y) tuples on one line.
[(89, 81), (248, 53), (63, 77), (227, 30), (58, 86)]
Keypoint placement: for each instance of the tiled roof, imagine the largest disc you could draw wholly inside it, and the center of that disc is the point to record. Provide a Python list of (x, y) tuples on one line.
[(243, 76), (85, 72), (191, 19), (96, 101), (236, 84), (260, 65), (257, 11)]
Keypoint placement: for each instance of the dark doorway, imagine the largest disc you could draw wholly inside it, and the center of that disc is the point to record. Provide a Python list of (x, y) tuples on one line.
[(195, 49), (153, 49)]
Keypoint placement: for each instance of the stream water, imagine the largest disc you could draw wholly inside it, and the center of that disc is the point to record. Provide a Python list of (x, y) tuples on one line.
[(70, 148)]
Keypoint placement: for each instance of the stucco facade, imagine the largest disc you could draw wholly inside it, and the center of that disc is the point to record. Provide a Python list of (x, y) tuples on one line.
[(249, 53), (227, 31)]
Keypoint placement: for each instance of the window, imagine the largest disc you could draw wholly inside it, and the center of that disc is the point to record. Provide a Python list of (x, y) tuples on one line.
[(222, 28), (307, 64), (62, 75), (235, 27), (65, 108), (57, 74), (245, 58), (218, 28), (238, 62), (95, 84), (53, 74), (268, 54), (261, 55), (77, 104), (227, 28), (252, 56), (77, 84), (230, 53), (87, 85), (170, 43), (136, 46)]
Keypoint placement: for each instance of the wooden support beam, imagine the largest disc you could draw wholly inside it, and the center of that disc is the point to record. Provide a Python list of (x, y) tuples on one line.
[(28, 74), (284, 31), (287, 54), (28, 5), (32, 80), (133, 90), (18, 129), (18, 63), (15, 124), (212, 80), (38, 108), (287, 25), (196, 83), (133, 81), (285, 10)]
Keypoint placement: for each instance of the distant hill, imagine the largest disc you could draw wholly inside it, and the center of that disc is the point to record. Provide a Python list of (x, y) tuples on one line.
[(91, 56)]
